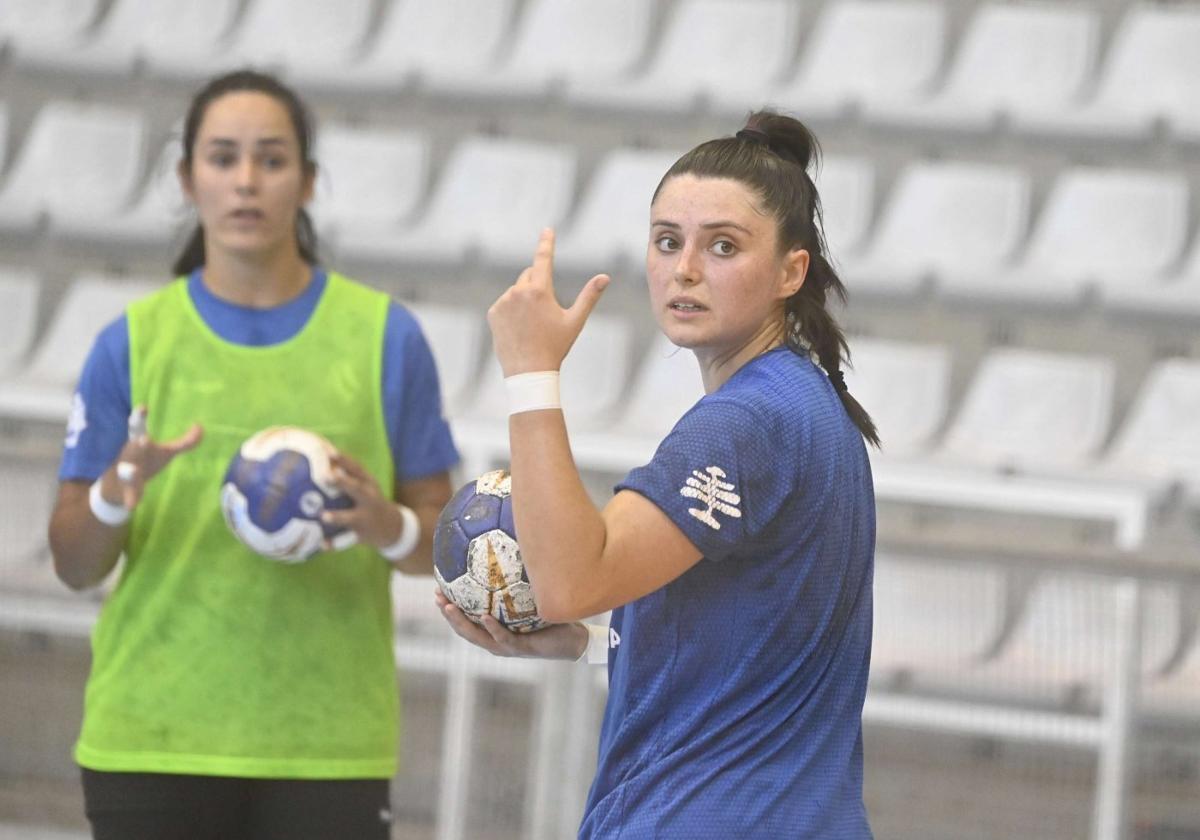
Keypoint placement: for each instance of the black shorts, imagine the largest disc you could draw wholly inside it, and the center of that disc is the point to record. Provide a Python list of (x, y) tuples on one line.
[(161, 806)]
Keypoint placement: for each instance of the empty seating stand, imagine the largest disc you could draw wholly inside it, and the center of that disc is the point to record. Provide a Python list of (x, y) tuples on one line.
[(41, 390), (708, 48), (77, 160)]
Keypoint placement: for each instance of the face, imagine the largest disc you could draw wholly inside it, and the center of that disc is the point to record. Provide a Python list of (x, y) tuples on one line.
[(247, 177), (717, 280)]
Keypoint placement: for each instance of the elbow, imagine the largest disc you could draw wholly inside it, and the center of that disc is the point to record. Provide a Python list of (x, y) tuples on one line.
[(561, 607)]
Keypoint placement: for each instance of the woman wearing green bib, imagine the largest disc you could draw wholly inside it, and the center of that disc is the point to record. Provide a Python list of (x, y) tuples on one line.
[(230, 696)]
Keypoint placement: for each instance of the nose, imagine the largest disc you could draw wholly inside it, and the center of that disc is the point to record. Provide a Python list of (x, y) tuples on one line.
[(687, 266), (247, 176)]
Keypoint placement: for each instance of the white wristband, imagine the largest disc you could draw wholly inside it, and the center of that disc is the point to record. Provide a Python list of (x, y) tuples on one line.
[(532, 391), (108, 513), (410, 535), (597, 646)]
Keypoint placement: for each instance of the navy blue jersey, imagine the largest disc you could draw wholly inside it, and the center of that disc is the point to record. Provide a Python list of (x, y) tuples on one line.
[(736, 691), (418, 434)]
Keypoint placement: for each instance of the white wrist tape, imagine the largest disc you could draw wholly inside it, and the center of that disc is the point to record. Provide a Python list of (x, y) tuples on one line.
[(532, 391), (410, 535), (108, 513), (597, 646)]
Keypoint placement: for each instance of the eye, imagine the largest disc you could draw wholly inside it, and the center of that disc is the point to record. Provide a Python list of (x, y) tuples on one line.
[(222, 159), (666, 243), (274, 162), (724, 248)]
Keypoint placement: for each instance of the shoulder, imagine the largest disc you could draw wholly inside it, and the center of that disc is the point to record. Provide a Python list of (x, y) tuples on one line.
[(351, 289)]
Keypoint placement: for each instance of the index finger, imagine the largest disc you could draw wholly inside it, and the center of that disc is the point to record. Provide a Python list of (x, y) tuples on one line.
[(543, 259)]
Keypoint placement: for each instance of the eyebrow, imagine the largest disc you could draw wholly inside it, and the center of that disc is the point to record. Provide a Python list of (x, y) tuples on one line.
[(722, 223), (266, 141)]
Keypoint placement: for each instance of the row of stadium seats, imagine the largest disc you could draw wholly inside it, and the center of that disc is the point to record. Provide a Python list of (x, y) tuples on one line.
[(958, 627), (1039, 67), (1034, 432), (968, 228)]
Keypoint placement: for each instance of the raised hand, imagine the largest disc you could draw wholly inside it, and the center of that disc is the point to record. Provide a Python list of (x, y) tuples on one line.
[(530, 330), (558, 641), (142, 458)]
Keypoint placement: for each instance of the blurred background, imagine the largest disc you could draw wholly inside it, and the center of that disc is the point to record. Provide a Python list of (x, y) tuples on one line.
[(1010, 193)]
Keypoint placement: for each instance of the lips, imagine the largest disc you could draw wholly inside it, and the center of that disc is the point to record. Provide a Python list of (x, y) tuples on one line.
[(247, 214), (685, 304)]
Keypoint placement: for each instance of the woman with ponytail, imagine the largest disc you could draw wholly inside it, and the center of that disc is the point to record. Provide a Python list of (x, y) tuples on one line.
[(738, 562), (232, 697)]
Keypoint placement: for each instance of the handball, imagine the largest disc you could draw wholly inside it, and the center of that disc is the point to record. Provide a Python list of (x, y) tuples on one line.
[(275, 490), (476, 558)]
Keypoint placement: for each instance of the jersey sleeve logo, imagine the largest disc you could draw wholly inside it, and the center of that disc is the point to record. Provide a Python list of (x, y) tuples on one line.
[(716, 495), (77, 421)]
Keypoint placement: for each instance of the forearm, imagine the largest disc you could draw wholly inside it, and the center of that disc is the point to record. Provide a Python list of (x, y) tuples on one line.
[(85, 550), (561, 532)]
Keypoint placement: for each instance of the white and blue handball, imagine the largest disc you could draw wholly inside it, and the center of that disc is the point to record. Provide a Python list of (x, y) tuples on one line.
[(275, 490), (476, 558)]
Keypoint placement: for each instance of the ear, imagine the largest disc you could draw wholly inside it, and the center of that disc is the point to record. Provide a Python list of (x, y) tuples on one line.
[(185, 180), (795, 269)]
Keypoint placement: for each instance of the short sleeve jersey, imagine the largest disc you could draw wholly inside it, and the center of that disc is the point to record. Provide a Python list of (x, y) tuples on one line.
[(736, 691), (418, 434)]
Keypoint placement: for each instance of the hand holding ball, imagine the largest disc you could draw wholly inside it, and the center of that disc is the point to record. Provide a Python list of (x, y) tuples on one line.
[(476, 559), (275, 490)]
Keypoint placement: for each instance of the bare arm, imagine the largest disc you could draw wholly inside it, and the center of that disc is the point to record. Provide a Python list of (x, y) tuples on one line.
[(580, 561), (85, 550)]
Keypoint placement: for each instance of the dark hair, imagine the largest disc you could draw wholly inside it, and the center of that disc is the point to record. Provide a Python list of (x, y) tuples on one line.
[(192, 256), (771, 155)]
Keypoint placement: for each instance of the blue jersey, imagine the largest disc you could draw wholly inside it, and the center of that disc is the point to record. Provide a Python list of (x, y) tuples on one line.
[(419, 436), (736, 690)]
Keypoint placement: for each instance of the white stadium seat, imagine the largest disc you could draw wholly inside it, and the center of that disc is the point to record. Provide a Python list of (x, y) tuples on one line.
[(846, 186), (1149, 74), (905, 387), (310, 37), (708, 48), (429, 40), (26, 499), (76, 159), (934, 616), (1065, 642), (1099, 227), (1012, 57), (942, 219), (1176, 293), (178, 33), (369, 178), (35, 27), (1160, 437), (557, 42), (666, 385), (492, 197), (861, 52), (152, 217), (1176, 693), (19, 293), (1033, 411), (41, 390), (456, 337), (610, 229)]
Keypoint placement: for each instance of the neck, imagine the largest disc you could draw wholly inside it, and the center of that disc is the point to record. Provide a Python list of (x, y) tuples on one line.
[(259, 281), (717, 365)]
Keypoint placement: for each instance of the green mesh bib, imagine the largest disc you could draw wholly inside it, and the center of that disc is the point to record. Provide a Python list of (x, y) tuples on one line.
[(208, 658)]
